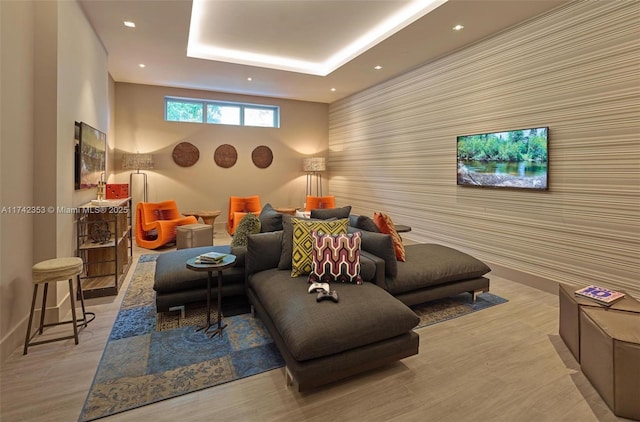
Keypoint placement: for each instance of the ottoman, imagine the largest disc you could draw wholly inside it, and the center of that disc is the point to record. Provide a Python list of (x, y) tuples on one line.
[(194, 235), (570, 307), (176, 286), (610, 357)]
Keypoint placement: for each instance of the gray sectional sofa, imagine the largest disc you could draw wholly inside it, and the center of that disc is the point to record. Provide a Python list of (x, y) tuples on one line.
[(321, 342)]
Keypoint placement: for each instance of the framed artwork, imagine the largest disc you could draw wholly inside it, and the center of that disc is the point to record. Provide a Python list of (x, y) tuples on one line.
[(90, 155)]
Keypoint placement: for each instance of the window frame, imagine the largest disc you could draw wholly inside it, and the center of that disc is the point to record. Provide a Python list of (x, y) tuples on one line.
[(242, 107)]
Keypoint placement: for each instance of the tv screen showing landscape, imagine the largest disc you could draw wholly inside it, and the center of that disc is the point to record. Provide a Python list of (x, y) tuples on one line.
[(514, 159)]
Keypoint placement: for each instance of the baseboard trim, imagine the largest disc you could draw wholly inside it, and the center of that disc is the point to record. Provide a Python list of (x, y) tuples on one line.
[(15, 338), (527, 279)]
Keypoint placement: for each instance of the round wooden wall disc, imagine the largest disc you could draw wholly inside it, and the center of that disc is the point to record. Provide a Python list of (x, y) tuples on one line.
[(262, 157), (186, 154), (225, 156)]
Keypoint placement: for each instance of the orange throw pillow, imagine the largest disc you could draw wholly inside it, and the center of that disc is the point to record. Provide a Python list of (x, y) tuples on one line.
[(385, 225)]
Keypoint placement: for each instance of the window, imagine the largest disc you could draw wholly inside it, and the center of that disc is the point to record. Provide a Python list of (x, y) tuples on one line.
[(259, 116), (183, 111), (223, 113)]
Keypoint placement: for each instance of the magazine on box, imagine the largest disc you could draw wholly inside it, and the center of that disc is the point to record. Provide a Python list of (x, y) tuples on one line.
[(600, 294)]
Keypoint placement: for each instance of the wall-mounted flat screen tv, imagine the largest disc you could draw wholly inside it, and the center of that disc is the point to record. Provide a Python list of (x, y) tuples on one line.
[(516, 159)]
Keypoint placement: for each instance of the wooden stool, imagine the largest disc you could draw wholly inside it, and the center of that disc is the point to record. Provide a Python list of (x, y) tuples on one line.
[(54, 270)]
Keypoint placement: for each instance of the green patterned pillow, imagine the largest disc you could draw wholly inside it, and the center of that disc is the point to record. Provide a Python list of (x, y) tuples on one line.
[(302, 254), (250, 224)]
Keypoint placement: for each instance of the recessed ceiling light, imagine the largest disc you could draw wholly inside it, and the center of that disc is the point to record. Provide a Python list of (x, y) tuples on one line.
[(457, 27), (249, 78), (378, 67), (333, 90), (142, 65), (129, 24)]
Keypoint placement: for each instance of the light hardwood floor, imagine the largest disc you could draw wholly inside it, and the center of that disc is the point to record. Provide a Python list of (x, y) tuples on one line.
[(505, 363)]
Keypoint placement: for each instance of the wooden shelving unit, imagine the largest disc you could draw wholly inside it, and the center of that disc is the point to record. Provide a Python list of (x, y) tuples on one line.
[(105, 246)]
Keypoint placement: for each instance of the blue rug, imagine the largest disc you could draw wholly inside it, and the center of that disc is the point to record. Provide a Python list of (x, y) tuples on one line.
[(140, 365), (453, 307)]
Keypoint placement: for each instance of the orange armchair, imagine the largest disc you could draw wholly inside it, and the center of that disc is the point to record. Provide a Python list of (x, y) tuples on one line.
[(156, 223), (315, 202), (239, 207)]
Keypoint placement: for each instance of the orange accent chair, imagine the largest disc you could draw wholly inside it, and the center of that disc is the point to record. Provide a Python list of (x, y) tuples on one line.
[(239, 207), (315, 202), (156, 223)]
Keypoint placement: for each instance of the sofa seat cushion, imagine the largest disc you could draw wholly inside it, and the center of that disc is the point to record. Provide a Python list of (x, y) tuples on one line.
[(365, 314), (429, 264), (172, 274)]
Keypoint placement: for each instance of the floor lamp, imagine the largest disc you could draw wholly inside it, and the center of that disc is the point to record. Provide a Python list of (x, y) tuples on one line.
[(314, 166), (138, 162)]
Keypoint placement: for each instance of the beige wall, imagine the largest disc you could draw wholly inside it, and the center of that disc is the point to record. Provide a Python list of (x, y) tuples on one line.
[(393, 147), (54, 72), (16, 168), (140, 127)]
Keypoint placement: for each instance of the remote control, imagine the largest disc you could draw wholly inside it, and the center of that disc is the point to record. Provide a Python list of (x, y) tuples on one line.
[(332, 295), (319, 287)]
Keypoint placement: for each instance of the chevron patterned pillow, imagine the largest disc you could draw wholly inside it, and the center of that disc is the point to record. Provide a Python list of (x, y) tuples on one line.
[(303, 242), (336, 258)]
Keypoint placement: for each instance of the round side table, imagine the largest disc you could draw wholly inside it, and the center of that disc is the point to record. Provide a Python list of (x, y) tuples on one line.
[(209, 217), (195, 265)]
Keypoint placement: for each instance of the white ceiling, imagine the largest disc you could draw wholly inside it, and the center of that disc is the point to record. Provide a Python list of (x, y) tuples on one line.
[(304, 30)]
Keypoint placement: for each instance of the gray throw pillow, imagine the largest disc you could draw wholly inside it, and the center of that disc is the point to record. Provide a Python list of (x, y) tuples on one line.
[(270, 219), (250, 224), (381, 245), (287, 243), (366, 223), (327, 213)]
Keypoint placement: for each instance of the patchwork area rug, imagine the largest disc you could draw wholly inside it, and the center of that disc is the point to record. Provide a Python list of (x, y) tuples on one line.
[(151, 357), (141, 365), (453, 307)]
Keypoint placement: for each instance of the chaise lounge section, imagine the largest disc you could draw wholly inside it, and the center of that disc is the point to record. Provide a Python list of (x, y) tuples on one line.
[(430, 271), (322, 342)]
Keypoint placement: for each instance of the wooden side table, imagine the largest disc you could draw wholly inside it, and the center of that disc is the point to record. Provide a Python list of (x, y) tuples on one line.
[(195, 265), (209, 217), (191, 213)]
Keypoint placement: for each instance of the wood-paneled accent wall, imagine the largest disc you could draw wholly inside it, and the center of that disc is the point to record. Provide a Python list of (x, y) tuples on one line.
[(575, 69)]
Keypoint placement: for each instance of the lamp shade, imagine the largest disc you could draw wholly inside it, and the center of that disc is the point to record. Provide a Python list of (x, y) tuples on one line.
[(137, 161), (312, 164)]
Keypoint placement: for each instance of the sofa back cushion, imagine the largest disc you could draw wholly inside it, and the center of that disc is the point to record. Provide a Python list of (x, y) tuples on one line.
[(335, 258), (327, 213), (363, 222), (270, 219), (263, 251), (380, 245)]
